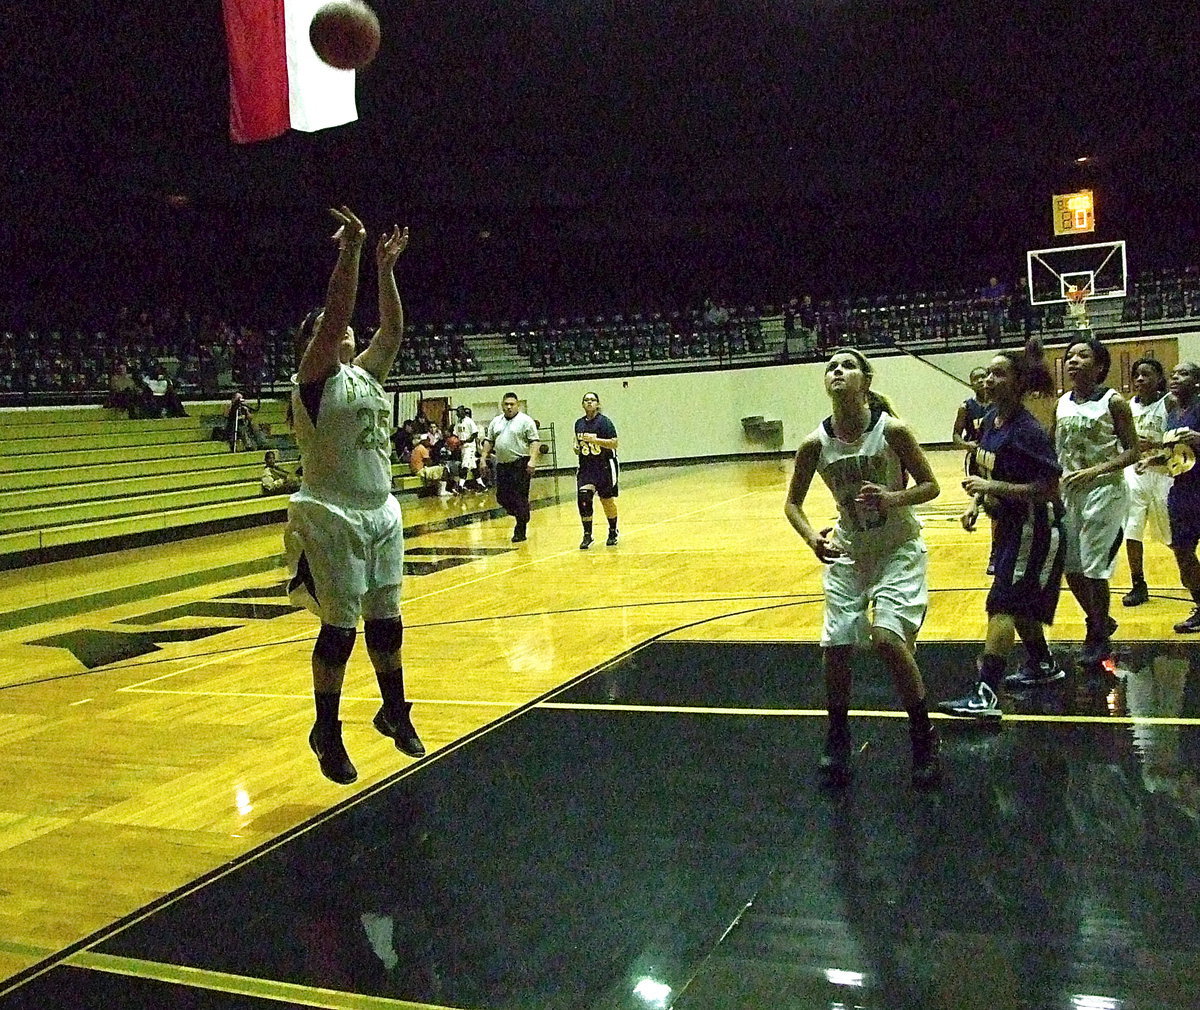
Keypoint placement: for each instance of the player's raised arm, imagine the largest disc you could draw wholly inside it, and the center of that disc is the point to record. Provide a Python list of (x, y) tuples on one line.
[(381, 352), (321, 356)]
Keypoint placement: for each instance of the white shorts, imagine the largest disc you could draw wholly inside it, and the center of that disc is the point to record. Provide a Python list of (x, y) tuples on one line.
[(1094, 525), (1148, 505), (344, 563), (892, 584), (468, 456)]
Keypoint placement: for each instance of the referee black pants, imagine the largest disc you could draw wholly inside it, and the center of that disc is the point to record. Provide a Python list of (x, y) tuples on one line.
[(512, 488)]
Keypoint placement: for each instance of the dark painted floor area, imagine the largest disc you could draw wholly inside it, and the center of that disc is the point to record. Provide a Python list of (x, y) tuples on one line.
[(574, 858)]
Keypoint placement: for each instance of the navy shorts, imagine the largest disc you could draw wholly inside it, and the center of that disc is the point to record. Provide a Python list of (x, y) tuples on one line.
[(1183, 509), (602, 475), (1028, 553)]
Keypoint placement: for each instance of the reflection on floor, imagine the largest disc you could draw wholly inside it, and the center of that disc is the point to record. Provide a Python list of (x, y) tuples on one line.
[(651, 837)]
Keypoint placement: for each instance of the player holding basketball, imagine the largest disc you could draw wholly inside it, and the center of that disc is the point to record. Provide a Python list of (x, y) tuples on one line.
[(1183, 503), (596, 447), (875, 585), (1019, 476), (1095, 440), (345, 539), (1148, 482)]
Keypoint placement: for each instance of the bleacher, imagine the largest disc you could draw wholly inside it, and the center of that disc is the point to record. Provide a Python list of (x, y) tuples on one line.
[(84, 480)]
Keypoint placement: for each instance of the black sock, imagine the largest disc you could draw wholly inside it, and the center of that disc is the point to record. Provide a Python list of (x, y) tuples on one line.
[(587, 527), (391, 688), (612, 524), (839, 720), (1038, 652), (918, 718), (991, 670), (327, 708)]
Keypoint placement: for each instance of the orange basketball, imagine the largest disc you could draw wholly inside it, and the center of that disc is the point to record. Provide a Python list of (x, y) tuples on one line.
[(345, 34)]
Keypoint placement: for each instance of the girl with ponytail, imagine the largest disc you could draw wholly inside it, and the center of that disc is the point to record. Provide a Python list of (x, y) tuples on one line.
[(874, 579)]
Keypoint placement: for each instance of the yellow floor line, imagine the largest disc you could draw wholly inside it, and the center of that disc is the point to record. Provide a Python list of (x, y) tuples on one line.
[(243, 985), (345, 697), (24, 949), (1109, 720)]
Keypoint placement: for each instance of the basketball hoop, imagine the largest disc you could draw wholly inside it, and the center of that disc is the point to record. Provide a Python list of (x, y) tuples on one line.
[(1077, 306)]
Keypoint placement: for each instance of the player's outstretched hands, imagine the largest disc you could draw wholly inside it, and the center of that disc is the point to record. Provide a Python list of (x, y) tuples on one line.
[(825, 547), (390, 246), (351, 232)]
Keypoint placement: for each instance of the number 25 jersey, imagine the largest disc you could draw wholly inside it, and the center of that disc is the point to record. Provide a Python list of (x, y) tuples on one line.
[(346, 448)]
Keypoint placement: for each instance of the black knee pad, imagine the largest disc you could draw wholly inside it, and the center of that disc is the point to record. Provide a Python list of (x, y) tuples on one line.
[(334, 644), (386, 634), (586, 502)]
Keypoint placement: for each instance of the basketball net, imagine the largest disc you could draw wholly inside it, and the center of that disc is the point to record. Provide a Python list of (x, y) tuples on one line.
[(1077, 307)]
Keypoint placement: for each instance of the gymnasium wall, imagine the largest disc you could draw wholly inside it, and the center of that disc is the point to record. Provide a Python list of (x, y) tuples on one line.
[(689, 414)]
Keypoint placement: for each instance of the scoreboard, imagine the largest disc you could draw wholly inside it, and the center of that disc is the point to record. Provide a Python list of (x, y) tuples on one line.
[(1074, 213)]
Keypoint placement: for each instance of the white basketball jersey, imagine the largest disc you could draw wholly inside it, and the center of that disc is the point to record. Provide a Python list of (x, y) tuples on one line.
[(1084, 434), (347, 453), (845, 467), (1149, 419)]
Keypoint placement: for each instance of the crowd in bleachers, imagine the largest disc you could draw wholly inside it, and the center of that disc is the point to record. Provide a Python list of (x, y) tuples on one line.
[(711, 332), (432, 349), (204, 356), (198, 356)]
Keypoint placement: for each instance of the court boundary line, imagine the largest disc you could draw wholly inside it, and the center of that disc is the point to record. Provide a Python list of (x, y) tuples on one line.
[(291, 993), (867, 713)]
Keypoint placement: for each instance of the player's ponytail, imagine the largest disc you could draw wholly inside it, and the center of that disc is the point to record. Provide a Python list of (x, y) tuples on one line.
[(877, 401), (1032, 369)]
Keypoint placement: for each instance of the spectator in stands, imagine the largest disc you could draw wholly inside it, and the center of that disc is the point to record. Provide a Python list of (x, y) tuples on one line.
[(403, 440), (275, 478), (1021, 308), (123, 392), (996, 297), (240, 426), (806, 316), (164, 398), (433, 475)]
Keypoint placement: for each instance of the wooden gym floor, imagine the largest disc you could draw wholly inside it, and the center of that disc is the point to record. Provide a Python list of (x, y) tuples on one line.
[(618, 807)]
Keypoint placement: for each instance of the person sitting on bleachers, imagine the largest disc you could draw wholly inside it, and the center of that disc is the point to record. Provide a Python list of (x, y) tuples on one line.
[(433, 475), (240, 426), (123, 393), (275, 478), (403, 441), (164, 398)]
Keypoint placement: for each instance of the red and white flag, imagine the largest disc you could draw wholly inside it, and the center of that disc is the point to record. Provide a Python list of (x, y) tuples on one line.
[(277, 82)]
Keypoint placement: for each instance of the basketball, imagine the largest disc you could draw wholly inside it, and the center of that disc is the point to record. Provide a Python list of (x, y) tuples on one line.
[(345, 34)]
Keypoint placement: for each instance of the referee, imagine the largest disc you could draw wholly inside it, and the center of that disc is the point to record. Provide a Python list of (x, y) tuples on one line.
[(514, 437)]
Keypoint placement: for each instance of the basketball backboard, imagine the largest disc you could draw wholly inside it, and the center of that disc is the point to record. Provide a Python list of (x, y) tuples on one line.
[(1099, 268)]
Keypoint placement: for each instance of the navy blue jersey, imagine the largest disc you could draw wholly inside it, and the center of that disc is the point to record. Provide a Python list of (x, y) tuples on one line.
[(1017, 452), (591, 454), (1187, 418), (1028, 545), (975, 412)]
